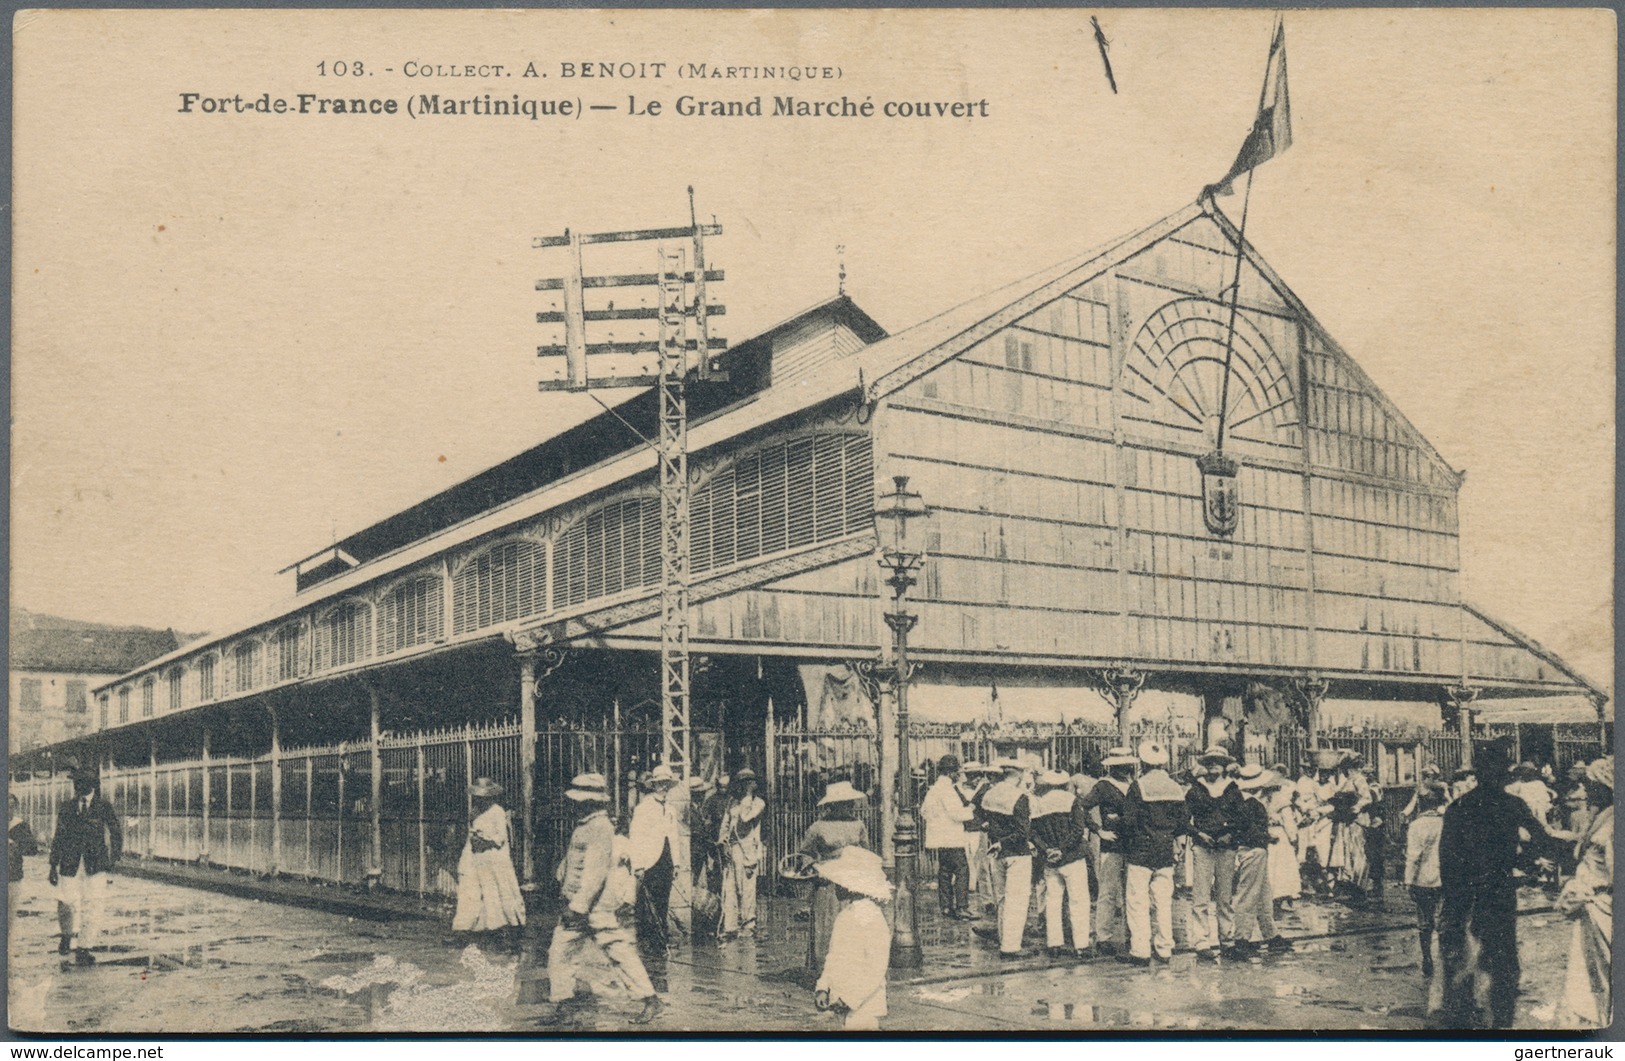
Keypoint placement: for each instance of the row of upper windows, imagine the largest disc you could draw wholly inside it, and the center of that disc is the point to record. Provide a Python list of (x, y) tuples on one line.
[(779, 496)]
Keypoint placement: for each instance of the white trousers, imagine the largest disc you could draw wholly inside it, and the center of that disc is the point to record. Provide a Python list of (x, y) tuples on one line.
[(1073, 880), (567, 957), (1109, 910), (1255, 906), (1149, 893), (738, 896), (1017, 874), (79, 902), (1213, 891)]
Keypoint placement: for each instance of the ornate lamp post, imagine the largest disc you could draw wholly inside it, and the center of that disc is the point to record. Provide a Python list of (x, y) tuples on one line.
[(892, 513)]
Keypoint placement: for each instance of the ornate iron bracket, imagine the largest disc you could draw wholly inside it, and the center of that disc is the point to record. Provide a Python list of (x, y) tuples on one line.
[(540, 644), (1119, 686), (1459, 697), (875, 673)]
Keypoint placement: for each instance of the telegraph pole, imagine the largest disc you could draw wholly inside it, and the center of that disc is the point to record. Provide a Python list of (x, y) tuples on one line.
[(683, 346)]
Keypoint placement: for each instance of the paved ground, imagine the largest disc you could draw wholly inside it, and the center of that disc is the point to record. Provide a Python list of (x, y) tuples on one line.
[(177, 959)]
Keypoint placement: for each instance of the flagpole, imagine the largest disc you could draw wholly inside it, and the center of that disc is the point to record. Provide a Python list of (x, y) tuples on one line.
[(1241, 250), (1230, 330)]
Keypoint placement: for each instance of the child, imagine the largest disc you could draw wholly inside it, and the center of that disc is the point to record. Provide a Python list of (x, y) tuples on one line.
[(854, 976), (1422, 864)]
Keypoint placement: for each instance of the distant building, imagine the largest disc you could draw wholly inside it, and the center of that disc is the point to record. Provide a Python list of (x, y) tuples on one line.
[(56, 662)]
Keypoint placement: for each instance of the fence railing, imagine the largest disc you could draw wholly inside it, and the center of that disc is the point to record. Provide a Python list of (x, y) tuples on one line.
[(308, 812)]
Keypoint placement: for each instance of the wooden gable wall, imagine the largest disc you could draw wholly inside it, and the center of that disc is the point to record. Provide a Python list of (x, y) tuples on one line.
[(1059, 457)]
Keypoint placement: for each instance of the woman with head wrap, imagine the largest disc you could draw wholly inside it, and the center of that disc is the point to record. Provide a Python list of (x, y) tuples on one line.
[(1588, 899)]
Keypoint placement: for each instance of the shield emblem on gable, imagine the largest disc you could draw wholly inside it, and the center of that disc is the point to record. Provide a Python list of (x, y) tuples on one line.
[(1221, 508)]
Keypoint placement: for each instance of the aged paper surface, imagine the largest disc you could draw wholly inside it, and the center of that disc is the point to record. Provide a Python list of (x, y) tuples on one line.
[(275, 280)]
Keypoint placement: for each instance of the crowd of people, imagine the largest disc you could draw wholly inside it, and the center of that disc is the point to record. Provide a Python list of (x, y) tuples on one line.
[(1100, 856)]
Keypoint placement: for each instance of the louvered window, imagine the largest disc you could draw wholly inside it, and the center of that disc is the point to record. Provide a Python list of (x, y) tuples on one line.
[(611, 549), (783, 496), (343, 636), (410, 615), (175, 676), (124, 704), (246, 666), (148, 695), (104, 702), (205, 678), (290, 652), (502, 583)]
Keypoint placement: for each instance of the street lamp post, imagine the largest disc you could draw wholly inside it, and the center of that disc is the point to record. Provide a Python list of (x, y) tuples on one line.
[(892, 514)]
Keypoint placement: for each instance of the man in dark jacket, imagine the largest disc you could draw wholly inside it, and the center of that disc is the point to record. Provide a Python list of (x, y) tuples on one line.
[(1061, 841), (1478, 851), (1214, 803), (89, 839), (1105, 804), (1008, 813), (1154, 816)]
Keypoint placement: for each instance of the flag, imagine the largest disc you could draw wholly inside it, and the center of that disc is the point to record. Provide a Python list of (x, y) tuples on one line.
[(1272, 130)]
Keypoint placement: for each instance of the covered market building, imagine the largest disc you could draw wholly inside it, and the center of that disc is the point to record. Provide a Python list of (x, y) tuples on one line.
[(1093, 572)]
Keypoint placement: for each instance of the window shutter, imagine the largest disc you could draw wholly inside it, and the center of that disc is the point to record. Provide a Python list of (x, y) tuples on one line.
[(798, 469)]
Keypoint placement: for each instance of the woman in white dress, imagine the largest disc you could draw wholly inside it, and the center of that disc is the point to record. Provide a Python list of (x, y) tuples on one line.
[(488, 896)]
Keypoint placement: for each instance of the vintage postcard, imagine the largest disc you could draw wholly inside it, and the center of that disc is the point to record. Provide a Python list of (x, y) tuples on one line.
[(817, 521)]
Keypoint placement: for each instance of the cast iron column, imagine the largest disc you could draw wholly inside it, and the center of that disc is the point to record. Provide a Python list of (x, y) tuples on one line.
[(1461, 698), (900, 506)]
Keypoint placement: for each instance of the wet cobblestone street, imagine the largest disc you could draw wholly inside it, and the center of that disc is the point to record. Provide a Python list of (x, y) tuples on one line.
[(177, 959)]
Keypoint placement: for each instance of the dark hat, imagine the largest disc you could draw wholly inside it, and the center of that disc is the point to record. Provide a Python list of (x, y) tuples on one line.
[(1430, 794), (948, 764), (1494, 756), (747, 774)]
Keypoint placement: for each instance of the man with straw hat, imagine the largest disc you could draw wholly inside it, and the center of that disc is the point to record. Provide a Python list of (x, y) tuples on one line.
[(594, 895), (1255, 903), (740, 842), (1315, 791), (945, 812), (1214, 804), (653, 835), (1060, 840), (983, 880), (1104, 805), (853, 980), (1008, 812), (1153, 817)]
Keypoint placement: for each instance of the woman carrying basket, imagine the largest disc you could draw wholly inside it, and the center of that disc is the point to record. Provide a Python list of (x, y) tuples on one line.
[(840, 827)]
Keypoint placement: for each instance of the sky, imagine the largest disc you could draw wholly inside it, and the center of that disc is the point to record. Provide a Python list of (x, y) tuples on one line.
[(239, 336)]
